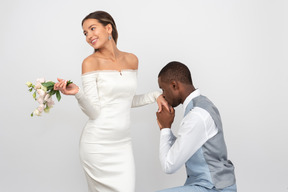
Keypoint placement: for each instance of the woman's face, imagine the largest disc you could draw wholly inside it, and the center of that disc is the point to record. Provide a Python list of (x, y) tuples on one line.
[(96, 34)]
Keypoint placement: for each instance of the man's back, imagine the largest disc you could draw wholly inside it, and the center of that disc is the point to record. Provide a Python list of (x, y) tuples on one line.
[(209, 166)]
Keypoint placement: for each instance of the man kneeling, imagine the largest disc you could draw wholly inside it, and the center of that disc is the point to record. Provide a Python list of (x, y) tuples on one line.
[(200, 143)]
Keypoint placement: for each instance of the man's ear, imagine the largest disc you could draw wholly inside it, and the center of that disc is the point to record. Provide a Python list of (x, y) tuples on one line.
[(174, 85)]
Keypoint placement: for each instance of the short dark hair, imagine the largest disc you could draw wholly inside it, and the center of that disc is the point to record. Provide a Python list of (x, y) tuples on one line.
[(175, 71), (104, 18)]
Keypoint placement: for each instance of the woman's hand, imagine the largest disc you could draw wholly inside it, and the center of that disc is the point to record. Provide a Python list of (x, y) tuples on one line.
[(162, 103), (61, 85)]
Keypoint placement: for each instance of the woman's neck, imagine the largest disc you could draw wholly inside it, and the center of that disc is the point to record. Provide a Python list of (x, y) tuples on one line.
[(110, 51)]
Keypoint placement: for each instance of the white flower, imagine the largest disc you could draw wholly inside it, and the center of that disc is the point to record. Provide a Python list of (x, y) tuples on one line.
[(37, 85), (50, 103), (47, 97), (29, 84), (40, 80), (41, 108), (40, 100), (41, 93), (43, 88), (36, 112)]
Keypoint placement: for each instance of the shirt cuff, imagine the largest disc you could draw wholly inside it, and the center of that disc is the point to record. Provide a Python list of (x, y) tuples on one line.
[(166, 131)]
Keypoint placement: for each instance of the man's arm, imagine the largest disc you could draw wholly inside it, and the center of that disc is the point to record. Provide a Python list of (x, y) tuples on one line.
[(195, 129)]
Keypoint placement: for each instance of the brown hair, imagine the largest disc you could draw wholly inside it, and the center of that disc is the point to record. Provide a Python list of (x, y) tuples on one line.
[(104, 18)]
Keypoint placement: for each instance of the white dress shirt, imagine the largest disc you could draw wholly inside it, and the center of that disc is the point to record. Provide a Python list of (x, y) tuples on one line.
[(195, 129)]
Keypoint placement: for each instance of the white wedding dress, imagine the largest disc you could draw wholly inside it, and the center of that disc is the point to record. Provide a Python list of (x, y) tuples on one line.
[(105, 145)]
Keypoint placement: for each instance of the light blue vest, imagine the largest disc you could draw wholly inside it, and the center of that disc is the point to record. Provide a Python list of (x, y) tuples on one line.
[(209, 166)]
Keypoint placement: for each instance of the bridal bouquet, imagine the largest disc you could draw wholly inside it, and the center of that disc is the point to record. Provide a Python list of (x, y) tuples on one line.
[(43, 91)]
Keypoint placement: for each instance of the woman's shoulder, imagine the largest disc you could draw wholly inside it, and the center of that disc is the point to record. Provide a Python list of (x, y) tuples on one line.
[(130, 56), (131, 59), (90, 63), (91, 59)]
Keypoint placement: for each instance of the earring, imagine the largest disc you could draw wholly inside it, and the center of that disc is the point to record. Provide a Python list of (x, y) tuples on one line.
[(109, 38)]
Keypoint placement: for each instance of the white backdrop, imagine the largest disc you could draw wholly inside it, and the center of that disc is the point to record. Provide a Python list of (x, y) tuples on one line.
[(237, 53)]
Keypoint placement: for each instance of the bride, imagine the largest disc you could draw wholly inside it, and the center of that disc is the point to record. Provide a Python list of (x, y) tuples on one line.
[(109, 81)]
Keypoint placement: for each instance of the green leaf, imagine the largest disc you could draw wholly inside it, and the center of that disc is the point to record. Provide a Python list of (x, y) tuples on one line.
[(52, 92), (58, 95), (69, 82), (50, 88), (48, 84), (34, 95), (32, 114)]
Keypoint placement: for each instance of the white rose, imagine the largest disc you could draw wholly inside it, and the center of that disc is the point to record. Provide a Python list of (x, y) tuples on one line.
[(40, 80), (47, 97), (38, 83), (41, 108), (36, 112), (43, 88), (50, 103), (41, 93), (29, 84), (40, 100), (37, 86)]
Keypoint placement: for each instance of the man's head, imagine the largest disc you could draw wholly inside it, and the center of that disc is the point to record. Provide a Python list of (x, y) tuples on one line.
[(176, 82)]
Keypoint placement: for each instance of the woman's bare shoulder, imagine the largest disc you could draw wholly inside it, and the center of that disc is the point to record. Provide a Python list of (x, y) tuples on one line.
[(90, 63), (131, 59)]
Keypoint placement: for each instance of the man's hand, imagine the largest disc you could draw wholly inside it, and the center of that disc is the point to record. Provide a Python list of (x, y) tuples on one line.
[(161, 101), (165, 118)]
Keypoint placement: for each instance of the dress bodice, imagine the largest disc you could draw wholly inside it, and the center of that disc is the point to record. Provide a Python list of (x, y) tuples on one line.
[(108, 87), (103, 89)]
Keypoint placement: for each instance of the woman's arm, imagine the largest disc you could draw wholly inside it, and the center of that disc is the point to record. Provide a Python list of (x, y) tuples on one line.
[(87, 99), (148, 98), (145, 99), (88, 105)]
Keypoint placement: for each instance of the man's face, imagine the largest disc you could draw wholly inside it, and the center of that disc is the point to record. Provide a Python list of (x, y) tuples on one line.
[(170, 93)]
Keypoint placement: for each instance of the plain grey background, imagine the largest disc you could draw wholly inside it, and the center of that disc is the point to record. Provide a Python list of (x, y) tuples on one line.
[(237, 54)]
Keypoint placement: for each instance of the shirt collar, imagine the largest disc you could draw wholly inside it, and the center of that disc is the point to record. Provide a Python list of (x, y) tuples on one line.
[(192, 95)]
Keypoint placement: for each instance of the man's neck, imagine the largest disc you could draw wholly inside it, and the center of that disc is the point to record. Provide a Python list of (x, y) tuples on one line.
[(187, 90)]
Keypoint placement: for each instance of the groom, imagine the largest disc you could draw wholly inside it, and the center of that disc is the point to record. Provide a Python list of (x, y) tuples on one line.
[(200, 143)]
